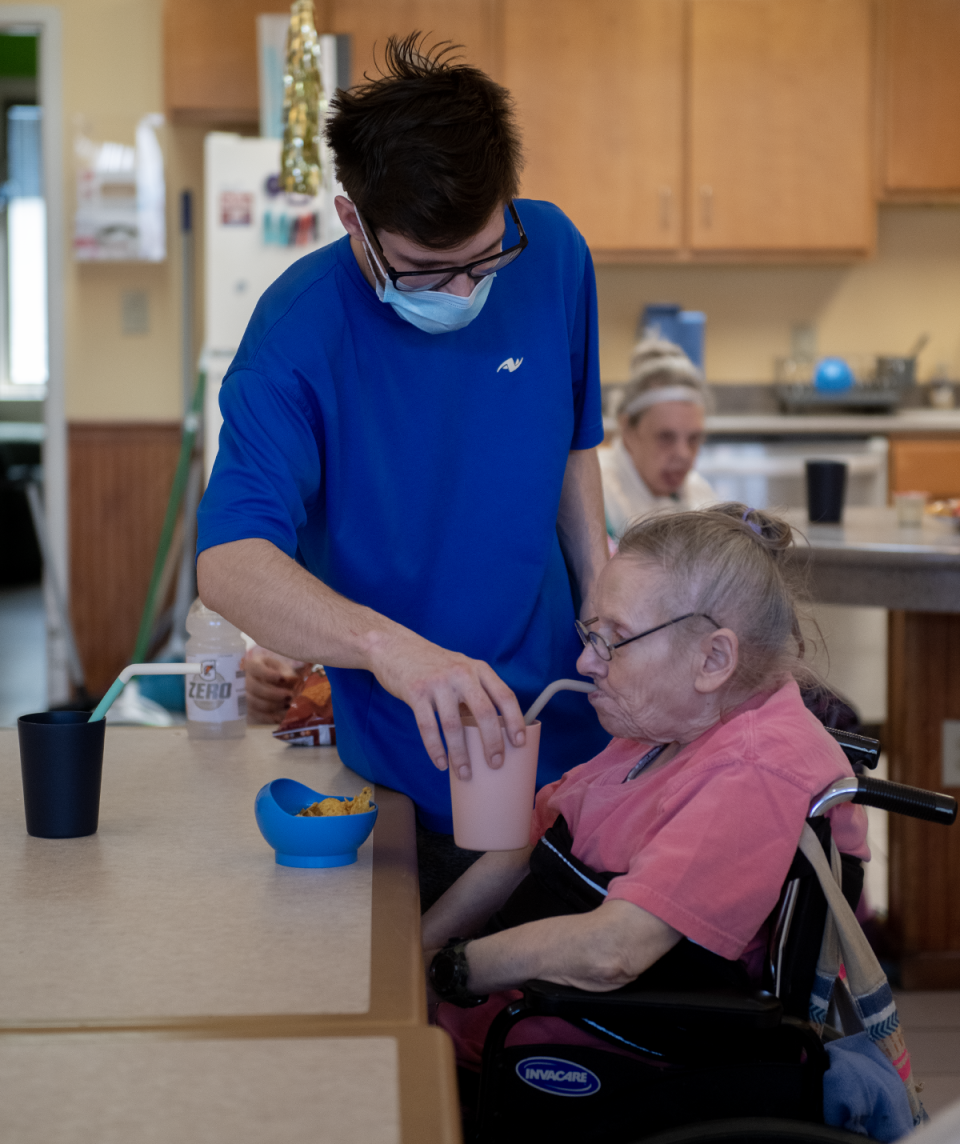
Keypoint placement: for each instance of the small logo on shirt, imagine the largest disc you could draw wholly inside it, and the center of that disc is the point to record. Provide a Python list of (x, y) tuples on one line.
[(510, 364)]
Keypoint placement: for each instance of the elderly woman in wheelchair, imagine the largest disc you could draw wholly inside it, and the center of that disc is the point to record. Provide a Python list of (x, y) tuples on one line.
[(656, 864)]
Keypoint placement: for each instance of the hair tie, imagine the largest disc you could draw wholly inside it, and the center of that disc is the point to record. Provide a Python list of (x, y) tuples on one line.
[(752, 523)]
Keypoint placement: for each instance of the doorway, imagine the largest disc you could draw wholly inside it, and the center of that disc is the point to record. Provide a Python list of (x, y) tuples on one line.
[(33, 671)]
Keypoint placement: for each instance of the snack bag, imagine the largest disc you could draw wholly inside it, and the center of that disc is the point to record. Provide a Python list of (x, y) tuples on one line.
[(309, 718)]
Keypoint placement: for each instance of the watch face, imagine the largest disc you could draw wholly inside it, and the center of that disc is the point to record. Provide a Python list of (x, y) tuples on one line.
[(443, 972)]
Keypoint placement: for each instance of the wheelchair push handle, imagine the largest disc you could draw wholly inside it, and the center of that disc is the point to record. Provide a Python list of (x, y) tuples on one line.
[(911, 801), (860, 750)]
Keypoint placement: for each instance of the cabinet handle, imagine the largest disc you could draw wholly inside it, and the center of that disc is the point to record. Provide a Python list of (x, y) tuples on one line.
[(666, 207), (706, 205)]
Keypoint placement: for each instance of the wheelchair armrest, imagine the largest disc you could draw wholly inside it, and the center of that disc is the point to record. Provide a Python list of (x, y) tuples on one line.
[(730, 1011)]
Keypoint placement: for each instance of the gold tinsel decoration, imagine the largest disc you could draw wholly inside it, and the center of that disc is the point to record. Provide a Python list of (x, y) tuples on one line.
[(303, 100)]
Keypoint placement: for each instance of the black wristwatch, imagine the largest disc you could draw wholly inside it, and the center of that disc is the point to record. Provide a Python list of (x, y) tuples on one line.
[(448, 975)]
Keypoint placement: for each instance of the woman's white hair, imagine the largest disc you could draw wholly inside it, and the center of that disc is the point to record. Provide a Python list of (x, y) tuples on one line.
[(658, 364)]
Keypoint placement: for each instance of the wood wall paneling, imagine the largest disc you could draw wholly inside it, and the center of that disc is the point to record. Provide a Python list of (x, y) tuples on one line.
[(780, 118), (927, 464), (924, 689), (921, 95), (600, 97), (120, 480), (470, 23)]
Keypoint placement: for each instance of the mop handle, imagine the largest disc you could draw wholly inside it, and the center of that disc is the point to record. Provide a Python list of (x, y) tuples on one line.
[(548, 693), (133, 669)]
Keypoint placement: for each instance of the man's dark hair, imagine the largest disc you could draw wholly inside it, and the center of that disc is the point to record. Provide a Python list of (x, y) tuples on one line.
[(429, 148)]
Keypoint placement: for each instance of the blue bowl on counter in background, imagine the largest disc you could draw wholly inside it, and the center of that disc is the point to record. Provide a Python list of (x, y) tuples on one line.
[(309, 842), (833, 374)]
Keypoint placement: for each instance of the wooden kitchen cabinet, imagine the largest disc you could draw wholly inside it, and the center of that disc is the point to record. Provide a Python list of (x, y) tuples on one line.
[(599, 93), (921, 97), (780, 125), (210, 59), (666, 129), (470, 23), (210, 46), (925, 464)]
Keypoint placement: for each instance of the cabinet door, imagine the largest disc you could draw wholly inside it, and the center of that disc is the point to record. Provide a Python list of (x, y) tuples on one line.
[(780, 126), (210, 59), (599, 91), (470, 23), (921, 42), (931, 465)]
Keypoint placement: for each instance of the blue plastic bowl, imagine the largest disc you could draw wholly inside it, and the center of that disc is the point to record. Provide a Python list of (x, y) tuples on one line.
[(833, 375), (309, 842)]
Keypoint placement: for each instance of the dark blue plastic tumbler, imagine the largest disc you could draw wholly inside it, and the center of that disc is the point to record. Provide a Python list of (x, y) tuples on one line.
[(61, 758), (826, 486)]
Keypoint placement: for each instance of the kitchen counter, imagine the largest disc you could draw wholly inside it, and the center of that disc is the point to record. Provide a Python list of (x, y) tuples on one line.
[(915, 572), (869, 560), (907, 421)]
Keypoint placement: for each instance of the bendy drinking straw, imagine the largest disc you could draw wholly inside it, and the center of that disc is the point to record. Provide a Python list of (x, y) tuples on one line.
[(133, 669), (548, 693)]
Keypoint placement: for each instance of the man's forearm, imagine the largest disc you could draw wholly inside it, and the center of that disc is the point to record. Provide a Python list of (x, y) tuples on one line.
[(284, 608), (580, 520)]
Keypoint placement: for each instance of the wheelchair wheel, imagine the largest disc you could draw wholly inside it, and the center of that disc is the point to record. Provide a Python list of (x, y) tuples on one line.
[(755, 1130)]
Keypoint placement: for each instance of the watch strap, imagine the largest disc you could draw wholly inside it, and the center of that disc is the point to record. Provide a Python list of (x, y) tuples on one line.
[(450, 964)]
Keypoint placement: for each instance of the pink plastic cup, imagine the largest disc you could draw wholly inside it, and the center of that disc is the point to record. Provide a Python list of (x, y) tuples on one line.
[(493, 808)]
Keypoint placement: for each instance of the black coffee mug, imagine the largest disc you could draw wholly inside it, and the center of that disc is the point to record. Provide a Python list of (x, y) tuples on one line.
[(61, 759), (826, 485)]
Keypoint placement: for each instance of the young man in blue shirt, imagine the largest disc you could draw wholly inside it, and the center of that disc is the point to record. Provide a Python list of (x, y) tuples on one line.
[(407, 488)]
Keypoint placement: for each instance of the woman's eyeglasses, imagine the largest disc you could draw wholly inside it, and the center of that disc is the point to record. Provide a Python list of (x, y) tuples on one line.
[(605, 649)]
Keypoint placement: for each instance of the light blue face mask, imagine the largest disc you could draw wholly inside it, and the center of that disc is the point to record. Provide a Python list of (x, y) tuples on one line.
[(432, 311)]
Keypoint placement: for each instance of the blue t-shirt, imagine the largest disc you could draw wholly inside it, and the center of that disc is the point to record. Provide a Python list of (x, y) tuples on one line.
[(420, 474)]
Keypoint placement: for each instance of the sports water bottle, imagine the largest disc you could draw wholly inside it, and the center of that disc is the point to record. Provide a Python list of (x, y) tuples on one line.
[(217, 697)]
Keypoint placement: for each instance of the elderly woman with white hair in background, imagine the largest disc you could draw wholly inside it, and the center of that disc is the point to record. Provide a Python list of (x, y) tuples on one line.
[(661, 416)]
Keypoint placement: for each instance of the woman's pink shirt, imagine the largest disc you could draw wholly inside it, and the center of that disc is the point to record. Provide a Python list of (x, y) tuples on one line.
[(706, 839)]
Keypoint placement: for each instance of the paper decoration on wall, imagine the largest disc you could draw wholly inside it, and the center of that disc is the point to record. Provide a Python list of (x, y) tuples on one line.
[(236, 208), (290, 219), (121, 198), (291, 230)]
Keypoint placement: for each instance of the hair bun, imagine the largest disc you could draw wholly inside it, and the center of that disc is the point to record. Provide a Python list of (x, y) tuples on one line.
[(652, 355), (773, 532)]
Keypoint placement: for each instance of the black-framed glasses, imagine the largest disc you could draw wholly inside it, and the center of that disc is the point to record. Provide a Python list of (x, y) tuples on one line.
[(605, 649), (413, 281)]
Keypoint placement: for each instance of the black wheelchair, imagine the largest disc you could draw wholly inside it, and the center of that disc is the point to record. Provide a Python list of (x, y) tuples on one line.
[(705, 1065)]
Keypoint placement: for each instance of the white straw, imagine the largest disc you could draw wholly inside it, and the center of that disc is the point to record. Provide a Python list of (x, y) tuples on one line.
[(548, 693), (133, 669)]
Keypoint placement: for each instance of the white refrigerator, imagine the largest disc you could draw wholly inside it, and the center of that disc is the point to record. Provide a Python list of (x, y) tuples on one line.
[(252, 234)]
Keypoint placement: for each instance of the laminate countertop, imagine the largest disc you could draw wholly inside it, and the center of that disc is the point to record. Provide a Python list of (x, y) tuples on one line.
[(392, 1087), (175, 913), (870, 560), (906, 421)]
